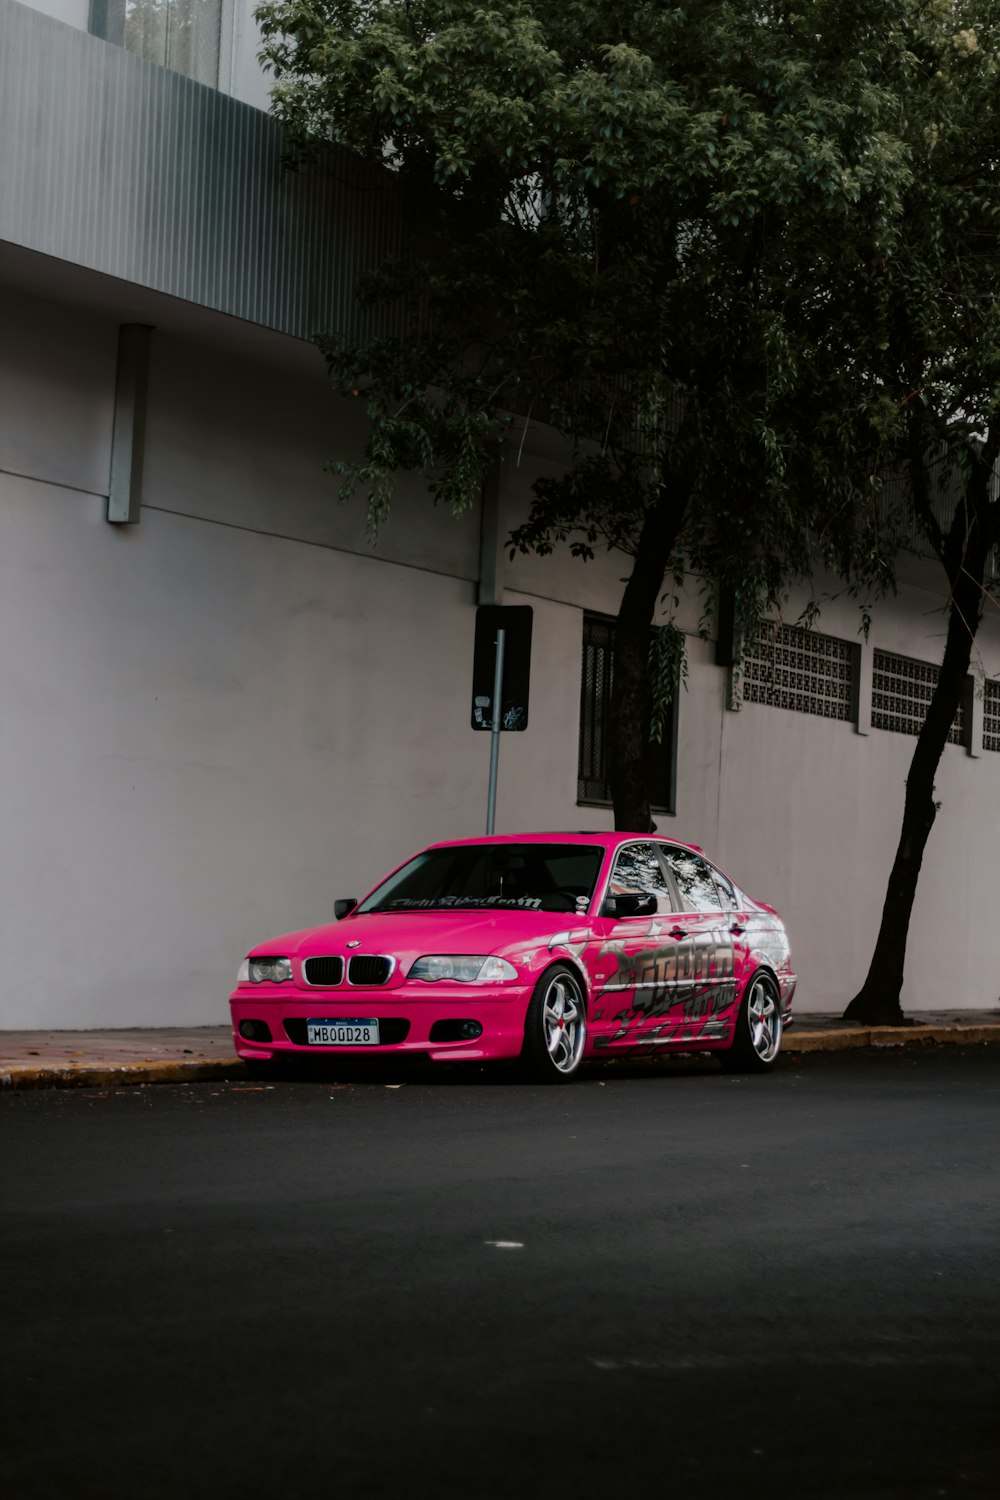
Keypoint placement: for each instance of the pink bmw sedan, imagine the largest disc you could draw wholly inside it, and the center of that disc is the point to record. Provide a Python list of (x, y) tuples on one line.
[(548, 947)]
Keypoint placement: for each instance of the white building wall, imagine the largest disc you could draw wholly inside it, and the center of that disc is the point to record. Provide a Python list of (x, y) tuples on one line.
[(57, 382), (806, 813), (214, 723), (219, 720), (241, 444), (817, 808), (208, 734)]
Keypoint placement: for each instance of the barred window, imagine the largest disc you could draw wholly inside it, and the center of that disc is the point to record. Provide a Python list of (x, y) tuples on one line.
[(901, 692), (991, 716), (789, 667), (596, 676)]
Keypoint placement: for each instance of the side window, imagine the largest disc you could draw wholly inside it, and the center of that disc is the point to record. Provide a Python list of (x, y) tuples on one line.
[(730, 899), (638, 871), (694, 878)]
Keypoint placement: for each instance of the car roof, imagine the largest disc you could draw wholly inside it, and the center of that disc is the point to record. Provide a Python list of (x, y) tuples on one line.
[(577, 836)]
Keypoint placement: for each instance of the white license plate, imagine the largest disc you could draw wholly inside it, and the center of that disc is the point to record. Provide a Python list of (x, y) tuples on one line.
[(351, 1033)]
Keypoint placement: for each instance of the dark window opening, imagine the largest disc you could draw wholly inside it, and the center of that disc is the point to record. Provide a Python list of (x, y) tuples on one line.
[(991, 716), (593, 786)]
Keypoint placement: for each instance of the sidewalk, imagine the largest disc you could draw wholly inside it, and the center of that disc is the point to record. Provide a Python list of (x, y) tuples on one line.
[(168, 1054), (61, 1059)]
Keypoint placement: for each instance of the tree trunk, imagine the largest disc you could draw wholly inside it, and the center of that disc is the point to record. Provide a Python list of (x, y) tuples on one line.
[(878, 1000), (628, 729)]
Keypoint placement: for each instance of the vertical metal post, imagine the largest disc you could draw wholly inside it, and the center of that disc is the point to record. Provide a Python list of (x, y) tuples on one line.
[(491, 797), (491, 539), (861, 689), (128, 437)]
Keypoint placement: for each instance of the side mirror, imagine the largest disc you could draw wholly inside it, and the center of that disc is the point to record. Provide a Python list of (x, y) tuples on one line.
[(641, 904), (341, 908)]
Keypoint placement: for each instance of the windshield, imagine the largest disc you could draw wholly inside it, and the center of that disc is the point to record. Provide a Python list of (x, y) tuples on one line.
[(532, 877)]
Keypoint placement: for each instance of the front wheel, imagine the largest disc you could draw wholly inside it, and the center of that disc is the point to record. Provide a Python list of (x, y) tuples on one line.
[(555, 1029), (269, 1071), (757, 1038)]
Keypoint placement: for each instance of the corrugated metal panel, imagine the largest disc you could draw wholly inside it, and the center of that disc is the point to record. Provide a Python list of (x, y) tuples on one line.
[(124, 167)]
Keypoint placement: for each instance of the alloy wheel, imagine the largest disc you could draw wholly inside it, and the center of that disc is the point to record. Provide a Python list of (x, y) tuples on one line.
[(563, 1025), (764, 1021)]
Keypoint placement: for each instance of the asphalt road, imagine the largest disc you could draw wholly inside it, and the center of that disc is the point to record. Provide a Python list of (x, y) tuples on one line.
[(663, 1282)]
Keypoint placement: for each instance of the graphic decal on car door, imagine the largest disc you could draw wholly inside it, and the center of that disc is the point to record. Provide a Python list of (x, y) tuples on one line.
[(674, 970), (687, 980)]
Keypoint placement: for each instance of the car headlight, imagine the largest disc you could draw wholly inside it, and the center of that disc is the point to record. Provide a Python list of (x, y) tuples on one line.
[(264, 971), (463, 968)]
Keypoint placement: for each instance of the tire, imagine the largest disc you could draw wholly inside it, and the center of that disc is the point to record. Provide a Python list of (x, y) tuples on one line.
[(258, 1069), (555, 1028), (757, 1035), (275, 1070)]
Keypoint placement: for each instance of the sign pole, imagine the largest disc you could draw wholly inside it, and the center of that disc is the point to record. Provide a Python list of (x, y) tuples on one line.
[(491, 797)]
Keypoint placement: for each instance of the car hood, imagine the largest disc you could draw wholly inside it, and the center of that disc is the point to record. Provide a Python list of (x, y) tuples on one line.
[(413, 934)]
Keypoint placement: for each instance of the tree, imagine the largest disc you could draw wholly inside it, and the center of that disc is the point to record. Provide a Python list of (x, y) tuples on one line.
[(652, 230), (941, 375)]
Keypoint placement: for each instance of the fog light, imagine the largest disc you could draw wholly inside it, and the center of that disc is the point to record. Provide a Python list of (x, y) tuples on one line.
[(255, 1031), (455, 1030)]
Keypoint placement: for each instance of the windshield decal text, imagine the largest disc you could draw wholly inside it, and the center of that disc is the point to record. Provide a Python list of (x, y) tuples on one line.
[(426, 903)]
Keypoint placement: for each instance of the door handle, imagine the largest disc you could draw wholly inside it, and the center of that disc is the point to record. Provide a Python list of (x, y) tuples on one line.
[(678, 932)]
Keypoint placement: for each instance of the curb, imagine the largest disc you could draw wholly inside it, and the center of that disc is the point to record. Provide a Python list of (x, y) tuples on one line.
[(111, 1075), (83, 1075), (847, 1037)]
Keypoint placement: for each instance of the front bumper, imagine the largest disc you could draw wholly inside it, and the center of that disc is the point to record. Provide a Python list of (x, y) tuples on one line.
[(411, 1019)]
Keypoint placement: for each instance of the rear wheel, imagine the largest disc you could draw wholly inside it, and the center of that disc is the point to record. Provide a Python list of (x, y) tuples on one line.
[(555, 1029), (757, 1038)]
